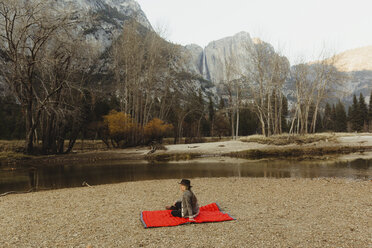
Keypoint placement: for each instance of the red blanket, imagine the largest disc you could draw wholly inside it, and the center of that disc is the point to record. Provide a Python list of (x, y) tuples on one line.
[(208, 213)]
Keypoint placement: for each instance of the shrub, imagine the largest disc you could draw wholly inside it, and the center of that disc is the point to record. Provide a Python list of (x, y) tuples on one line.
[(156, 130), (122, 128)]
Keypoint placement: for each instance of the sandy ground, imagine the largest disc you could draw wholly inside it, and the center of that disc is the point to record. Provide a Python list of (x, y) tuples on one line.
[(269, 213), (356, 140), (237, 145), (217, 149)]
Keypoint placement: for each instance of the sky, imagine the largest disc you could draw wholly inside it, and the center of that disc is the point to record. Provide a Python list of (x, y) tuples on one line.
[(300, 29)]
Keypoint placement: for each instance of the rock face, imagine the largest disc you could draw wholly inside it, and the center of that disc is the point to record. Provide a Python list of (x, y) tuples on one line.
[(210, 62), (195, 55), (359, 59), (357, 63), (101, 21)]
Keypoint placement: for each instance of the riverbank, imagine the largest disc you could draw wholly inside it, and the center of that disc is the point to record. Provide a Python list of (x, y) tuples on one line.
[(318, 146), (268, 212)]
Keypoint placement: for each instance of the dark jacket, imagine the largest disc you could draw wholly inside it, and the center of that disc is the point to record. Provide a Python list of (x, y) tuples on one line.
[(190, 207)]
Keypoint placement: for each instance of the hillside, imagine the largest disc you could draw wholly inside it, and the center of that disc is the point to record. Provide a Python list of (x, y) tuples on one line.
[(357, 63)]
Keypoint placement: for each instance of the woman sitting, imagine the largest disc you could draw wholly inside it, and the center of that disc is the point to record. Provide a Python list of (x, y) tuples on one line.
[(188, 206)]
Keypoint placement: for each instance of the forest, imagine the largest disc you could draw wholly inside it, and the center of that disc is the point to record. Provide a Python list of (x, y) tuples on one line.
[(52, 91)]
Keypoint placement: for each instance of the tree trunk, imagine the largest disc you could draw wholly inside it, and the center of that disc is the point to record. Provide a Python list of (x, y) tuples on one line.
[(262, 121), (29, 146), (232, 123), (237, 113), (269, 114), (237, 124)]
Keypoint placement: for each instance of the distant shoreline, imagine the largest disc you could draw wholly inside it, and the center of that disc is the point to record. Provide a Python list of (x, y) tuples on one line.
[(319, 147)]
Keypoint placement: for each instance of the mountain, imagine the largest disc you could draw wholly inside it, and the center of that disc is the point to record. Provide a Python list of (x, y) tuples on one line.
[(101, 21), (359, 59), (357, 64), (210, 62)]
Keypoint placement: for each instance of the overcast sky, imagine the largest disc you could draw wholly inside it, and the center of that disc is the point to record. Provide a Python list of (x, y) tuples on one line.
[(299, 27)]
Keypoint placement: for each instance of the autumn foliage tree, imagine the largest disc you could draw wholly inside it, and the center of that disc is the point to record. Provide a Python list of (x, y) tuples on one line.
[(156, 130), (121, 128)]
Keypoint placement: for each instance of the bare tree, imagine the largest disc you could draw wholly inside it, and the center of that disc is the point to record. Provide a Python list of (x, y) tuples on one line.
[(265, 75), (27, 30), (145, 67), (232, 87), (314, 83), (64, 67)]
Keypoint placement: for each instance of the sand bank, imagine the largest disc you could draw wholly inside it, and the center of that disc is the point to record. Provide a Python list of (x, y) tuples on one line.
[(269, 213)]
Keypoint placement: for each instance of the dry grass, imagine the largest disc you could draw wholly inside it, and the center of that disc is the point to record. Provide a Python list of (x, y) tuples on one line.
[(11, 145), (170, 141), (166, 157), (13, 156), (285, 139), (12, 151), (17, 146), (299, 153), (89, 145)]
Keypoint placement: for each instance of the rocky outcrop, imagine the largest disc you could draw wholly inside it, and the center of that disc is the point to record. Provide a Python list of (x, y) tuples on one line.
[(357, 63), (359, 59), (210, 62), (101, 21)]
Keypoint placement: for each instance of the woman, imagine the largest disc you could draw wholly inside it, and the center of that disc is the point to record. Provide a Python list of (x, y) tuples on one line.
[(188, 206)]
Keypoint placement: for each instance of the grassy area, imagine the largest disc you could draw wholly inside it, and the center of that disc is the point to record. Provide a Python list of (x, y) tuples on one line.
[(13, 156), (88, 145), (17, 146), (285, 139), (299, 146), (166, 157), (11, 146), (170, 141), (12, 150), (302, 152)]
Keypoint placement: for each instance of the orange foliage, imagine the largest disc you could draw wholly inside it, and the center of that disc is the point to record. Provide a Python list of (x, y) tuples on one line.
[(123, 130), (156, 129), (119, 123)]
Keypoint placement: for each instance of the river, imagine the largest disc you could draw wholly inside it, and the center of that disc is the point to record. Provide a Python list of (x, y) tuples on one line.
[(65, 176)]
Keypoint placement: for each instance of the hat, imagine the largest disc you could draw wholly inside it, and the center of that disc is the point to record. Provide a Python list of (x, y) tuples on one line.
[(185, 182)]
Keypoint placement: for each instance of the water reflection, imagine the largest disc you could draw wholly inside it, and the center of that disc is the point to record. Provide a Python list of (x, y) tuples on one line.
[(64, 176)]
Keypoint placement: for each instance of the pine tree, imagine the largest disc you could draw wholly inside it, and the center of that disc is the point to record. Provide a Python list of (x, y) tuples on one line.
[(341, 118), (222, 104), (200, 98), (285, 127), (370, 111), (211, 109), (327, 122), (363, 111), (355, 116), (333, 118), (248, 122)]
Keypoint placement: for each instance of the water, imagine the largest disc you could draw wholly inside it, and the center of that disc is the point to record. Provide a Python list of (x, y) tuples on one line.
[(65, 176)]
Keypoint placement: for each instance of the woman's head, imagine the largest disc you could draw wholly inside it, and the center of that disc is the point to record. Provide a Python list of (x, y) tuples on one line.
[(185, 184)]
